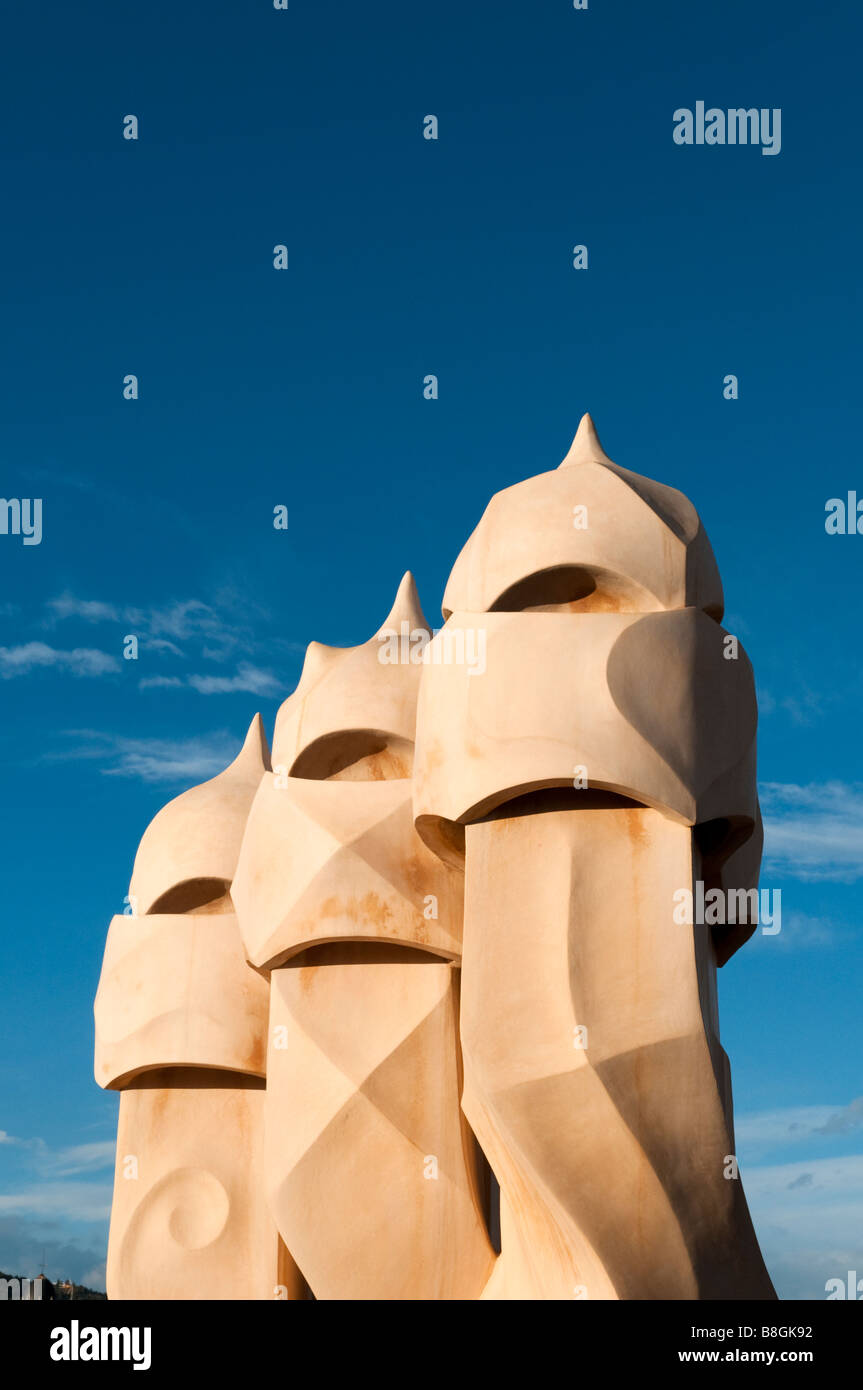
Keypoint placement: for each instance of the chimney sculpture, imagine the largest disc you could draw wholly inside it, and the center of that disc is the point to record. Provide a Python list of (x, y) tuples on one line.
[(371, 1170), (181, 1022), (457, 943), (603, 762)]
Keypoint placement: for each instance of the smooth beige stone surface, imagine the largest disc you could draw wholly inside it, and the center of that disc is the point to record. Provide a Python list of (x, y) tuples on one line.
[(610, 1156), (351, 707), (646, 703), (644, 548), (189, 850), (194, 1223), (371, 1170), (335, 861), (177, 991)]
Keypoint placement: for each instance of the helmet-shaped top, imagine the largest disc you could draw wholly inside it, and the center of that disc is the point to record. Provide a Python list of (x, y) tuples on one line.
[(589, 536), (194, 841), (353, 704)]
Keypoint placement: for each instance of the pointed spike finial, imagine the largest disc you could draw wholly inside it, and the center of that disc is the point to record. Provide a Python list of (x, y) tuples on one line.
[(407, 607), (585, 447), (318, 658), (254, 756)]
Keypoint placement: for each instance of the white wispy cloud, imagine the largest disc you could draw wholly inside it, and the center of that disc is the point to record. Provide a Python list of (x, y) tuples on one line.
[(161, 760), (187, 629), (161, 644), (170, 760), (803, 707), (843, 1121), (807, 1208), (814, 832), (52, 1199), (12, 1139), (832, 1177), (801, 932), (809, 1220), (79, 1158), (215, 631), (248, 679), (88, 610), (80, 1201), (79, 661), (65, 1162), (771, 1131)]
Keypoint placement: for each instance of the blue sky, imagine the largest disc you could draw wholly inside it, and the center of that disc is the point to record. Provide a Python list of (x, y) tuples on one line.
[(304, 388)]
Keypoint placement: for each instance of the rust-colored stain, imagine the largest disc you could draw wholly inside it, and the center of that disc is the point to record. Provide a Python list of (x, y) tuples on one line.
[(636, 827), (416, 869), (369, 908), (255, 1058)]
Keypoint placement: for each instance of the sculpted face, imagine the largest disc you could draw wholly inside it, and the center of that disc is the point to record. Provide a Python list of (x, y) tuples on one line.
[(603, 762), (181, 1020), (372, 1174), (330, 852)]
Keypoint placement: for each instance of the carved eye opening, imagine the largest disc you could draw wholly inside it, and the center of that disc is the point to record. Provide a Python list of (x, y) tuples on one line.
[(195, 895), (575, 589), (356, 755)]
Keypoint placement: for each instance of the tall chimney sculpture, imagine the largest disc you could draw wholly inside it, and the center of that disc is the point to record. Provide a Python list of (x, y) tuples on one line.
[(441, 939), (604, 762), (181, 1021), (372, 1172)]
